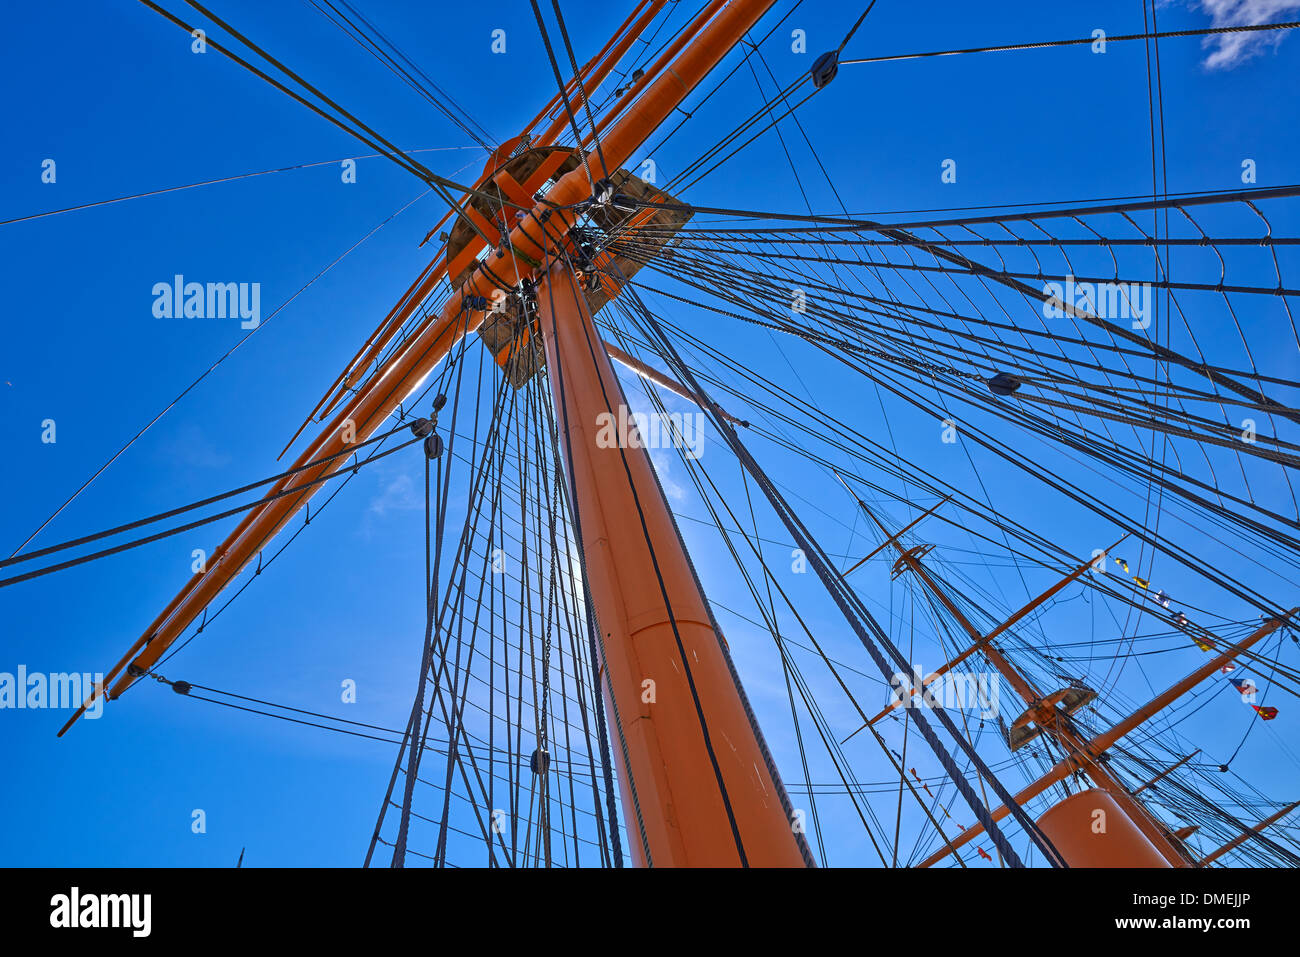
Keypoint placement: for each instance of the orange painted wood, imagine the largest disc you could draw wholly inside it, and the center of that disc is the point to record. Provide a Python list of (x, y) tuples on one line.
[(665, 666)]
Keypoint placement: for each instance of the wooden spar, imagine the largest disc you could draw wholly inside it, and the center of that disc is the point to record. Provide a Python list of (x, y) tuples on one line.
[(588, 80), (1162, 701), (887, 542), (396, 317), (434, 272), (1245, 835), (982, 642), (620, 42), (658, 378), (1088, 755), (1018, 681), (357, 421), (585, 72), (1049, 717), (386, 329), (653, 74), (380, 395), (698, 785), (1166, 772)]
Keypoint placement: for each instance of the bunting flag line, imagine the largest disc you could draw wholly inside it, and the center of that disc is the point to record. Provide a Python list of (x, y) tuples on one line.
[(1248, 691), (1201, 637)]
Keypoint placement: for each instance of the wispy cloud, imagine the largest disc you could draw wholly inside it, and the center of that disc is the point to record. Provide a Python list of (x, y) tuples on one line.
[(663, 463), (398, 495), (1228, 50)]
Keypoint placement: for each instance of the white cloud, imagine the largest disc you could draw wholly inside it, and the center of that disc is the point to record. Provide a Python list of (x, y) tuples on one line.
[(1230, 49), (398, 495), (662, 459), (663, 464)]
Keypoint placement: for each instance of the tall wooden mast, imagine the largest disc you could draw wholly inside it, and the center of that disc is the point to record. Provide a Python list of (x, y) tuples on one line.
[(1043, 710), (379, 395), (699, 787), (1104, 827), (1089, 755)]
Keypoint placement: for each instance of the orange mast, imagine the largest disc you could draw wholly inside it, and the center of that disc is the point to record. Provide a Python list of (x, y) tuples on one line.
[(983, 642), (1087, 757), (1044, 711), (369, 408), (699, 786), (1106, 826)]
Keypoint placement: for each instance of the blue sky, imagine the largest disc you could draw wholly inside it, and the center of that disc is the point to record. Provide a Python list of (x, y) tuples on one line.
[(114, 95)]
